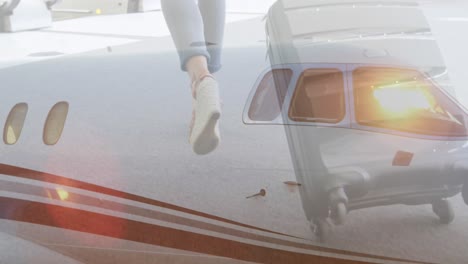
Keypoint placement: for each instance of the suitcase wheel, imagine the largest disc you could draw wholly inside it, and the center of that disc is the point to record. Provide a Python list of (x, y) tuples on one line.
[(444, 210)]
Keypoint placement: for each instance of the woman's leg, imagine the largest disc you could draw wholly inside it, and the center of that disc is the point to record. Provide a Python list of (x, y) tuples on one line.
[(185, 23), (213, 13)]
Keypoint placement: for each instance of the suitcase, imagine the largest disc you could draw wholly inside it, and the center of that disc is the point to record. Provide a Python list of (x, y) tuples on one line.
[(367, 107)]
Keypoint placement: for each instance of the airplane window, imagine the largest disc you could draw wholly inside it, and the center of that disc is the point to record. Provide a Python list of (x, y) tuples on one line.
[(14, 123), (319, 97), (55, 123), (269, 98), (405, 100)]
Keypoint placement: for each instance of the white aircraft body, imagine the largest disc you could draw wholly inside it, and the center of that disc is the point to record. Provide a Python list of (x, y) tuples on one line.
[(96, 166)]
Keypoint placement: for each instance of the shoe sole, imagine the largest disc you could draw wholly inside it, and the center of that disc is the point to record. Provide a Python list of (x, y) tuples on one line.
[(208, 139)]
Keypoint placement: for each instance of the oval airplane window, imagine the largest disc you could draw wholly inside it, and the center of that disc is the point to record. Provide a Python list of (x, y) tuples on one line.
[(14, 123), (55, 123)]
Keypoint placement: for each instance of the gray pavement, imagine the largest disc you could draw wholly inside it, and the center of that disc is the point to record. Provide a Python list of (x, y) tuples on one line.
[(235, 171)]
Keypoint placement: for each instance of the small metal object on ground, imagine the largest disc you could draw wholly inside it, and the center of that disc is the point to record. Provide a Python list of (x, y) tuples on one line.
[(262, 193)]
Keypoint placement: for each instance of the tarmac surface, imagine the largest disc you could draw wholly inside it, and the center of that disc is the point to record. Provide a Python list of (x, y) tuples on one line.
[(410, 232)]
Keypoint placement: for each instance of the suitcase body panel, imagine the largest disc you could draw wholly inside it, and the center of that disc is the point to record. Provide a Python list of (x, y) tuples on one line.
[(341, 162)]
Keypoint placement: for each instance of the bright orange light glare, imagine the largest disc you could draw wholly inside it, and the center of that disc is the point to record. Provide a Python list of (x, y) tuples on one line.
[(62, 194), (401, 100)]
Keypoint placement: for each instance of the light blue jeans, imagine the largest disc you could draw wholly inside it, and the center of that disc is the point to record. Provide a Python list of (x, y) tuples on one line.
[(197, 30)]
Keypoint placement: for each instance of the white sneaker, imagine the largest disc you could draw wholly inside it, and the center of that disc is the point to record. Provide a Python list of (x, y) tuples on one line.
[(204, 134)]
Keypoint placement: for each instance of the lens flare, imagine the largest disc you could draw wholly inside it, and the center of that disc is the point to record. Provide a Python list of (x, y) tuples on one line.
[(398, 100), (63, 194)]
